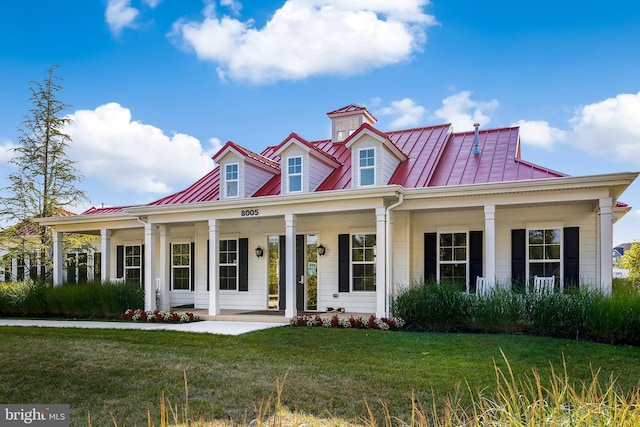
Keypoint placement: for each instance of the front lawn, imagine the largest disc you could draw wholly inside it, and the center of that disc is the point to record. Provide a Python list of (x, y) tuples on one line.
[(329, 372)]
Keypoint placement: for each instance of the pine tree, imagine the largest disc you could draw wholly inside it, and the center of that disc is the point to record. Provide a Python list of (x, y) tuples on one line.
[(45, 179)]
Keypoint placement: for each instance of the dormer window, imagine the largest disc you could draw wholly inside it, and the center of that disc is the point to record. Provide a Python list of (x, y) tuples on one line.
[(344, 128), (367, 166), (231, 179), (294, 174)]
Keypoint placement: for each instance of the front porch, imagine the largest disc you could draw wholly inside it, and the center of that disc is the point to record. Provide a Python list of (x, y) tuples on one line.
[(267, 316)]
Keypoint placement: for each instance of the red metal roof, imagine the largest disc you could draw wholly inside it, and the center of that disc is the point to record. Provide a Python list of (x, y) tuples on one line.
[(435, 157)]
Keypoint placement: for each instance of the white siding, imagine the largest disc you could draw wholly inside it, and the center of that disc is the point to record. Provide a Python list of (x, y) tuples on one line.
[(507, 219), (318, 172), (389, 165), (254, 179)]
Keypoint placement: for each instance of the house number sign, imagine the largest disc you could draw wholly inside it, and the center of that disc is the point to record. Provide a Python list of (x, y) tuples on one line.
[(249, 212)]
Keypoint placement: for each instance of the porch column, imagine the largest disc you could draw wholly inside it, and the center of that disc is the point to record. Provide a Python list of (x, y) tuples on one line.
[(606, 244), (290, 250), (58, 265), (105, 254), (381, 262), (214, 267), (163, 270), (150, 244), (490, 244)]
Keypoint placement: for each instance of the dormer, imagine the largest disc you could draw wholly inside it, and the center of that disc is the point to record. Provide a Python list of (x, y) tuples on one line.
[(374, 157), (303, 166), (346, 120), (242, 172)]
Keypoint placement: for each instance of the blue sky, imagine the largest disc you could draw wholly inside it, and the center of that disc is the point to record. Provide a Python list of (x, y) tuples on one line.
[(156, 86)]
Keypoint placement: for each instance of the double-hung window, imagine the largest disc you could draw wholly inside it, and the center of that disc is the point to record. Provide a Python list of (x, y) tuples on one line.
[(453, 259), (366, 166), (133, 263), (181, 266), (294, 174), (231, 179), (363, 262), (228, 265), (544, 252)]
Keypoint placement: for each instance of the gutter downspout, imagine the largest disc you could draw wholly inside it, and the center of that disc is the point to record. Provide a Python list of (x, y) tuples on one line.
[(388, 251)]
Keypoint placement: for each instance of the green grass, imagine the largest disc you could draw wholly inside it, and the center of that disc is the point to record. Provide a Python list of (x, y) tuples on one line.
[(329, 372)]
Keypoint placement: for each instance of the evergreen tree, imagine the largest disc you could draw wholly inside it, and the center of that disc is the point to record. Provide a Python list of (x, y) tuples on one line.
[(44, 181)]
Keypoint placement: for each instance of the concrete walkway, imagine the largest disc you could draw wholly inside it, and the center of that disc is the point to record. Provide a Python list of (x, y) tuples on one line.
[(219, 327)]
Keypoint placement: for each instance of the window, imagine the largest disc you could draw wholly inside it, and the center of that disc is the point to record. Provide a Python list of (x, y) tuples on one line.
[(228, 265), (181, 266), (363, 261), (544, 253), (231, 180), (344, 128), (294, 173), (366, 166), (453, 259), (133, 263)]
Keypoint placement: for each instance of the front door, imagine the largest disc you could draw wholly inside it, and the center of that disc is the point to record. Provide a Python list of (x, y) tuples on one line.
[(306, 272)]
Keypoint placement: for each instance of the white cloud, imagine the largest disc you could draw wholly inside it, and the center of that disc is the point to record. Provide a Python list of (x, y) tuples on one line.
[(462, 112), (6, 151), (152, 3), (129, 155), (610, 127), (234, 5), (406, 113), (540, 133), (309, 37), (119, 15)]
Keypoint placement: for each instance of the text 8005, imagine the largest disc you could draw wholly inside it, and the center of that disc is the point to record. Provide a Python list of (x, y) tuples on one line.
[(249, 212)]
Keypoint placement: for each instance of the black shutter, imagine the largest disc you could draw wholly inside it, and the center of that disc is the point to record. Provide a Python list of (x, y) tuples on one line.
[(518, 257), (119, 262), (571, 257), (243, 265), (430, 257), (344, 258), (142, 264), (193, 266), (208, 266), (475, 257)]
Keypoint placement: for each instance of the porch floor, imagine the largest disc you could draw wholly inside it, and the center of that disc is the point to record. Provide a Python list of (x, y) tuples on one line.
[(267, 316)]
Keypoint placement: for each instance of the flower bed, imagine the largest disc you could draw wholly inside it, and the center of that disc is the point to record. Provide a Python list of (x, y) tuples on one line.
[(359, 322), (139, 315)]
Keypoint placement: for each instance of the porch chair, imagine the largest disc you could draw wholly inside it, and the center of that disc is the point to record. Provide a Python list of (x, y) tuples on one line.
[(482, 286), (543, 285), (118, 280)]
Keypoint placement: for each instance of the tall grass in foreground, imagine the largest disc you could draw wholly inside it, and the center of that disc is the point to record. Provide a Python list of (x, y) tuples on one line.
[(579, 314), (515, 402)]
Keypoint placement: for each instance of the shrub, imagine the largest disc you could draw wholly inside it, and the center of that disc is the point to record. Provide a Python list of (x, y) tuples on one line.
[(104, 300), (579, 314)]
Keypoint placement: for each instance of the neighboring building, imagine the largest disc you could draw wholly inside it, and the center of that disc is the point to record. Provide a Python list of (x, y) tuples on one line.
[(345, 222), (619, 250), (20, 256)]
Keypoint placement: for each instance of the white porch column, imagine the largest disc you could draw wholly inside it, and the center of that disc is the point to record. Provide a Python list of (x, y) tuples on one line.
[(381, 262), (105, 254), (214, 267), (163, 272), (606, 244), (290, 249), (490, 244), (150, 244), (58, 265)]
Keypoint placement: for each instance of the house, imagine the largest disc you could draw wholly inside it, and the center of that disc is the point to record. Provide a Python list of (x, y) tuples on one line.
[(346, 221), (20, 257)]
